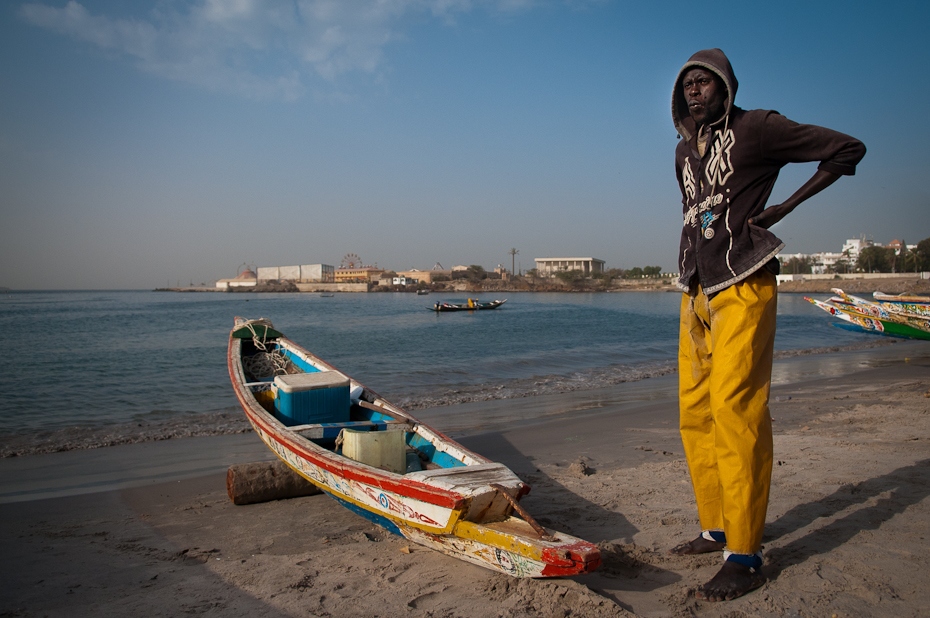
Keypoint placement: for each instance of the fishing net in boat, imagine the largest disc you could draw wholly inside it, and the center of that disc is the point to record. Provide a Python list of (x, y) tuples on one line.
[(266, 362)]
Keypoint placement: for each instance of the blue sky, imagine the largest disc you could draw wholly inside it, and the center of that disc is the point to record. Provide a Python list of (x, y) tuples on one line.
[(152, 143)]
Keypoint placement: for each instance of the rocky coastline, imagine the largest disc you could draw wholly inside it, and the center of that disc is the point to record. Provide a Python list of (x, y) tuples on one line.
[(897, 285)]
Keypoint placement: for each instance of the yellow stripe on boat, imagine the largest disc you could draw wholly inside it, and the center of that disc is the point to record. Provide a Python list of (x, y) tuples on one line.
[(514, 535)]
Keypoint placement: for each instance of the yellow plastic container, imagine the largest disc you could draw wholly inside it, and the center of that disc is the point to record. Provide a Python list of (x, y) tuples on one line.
[(380, 449)]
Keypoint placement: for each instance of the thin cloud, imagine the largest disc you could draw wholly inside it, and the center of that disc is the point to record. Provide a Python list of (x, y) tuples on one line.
[(256, 48)]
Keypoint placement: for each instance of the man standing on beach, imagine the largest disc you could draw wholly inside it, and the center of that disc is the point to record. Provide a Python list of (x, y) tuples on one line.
[(727, 162)]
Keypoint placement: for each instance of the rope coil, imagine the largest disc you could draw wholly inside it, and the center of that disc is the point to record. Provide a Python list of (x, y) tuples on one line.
[(264, 363)]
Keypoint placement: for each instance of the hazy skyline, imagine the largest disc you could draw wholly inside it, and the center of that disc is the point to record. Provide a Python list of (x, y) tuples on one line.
[(165, 141)]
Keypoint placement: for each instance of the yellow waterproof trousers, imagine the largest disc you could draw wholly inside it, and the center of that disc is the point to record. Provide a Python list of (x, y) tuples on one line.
[(725, 372)]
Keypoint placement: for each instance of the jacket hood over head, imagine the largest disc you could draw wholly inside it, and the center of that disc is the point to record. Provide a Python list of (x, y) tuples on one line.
[(713, 60)]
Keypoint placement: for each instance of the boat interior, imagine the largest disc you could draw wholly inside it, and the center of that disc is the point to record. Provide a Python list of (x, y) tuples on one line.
[(327, 408)]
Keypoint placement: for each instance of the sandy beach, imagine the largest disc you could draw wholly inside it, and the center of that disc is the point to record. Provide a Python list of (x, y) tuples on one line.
[(147, 529)]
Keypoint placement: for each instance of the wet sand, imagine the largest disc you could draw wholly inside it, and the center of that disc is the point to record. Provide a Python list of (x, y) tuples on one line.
[(148, 529)]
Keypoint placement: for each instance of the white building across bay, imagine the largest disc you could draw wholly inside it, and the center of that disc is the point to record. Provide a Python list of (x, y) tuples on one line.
[(549, 267), (303, 273), (312, 273), (845, 261)]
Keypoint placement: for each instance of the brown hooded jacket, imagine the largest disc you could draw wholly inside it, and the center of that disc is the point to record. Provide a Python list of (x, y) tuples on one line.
[(731, 183)]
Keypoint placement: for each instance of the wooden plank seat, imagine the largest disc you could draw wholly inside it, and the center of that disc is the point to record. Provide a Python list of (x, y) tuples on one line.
[(469, 478), (267, 382), (330, 431)]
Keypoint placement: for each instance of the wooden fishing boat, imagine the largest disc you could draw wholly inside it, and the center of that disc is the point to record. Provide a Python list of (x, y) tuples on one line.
[(878, 310), (907, 304), (382, 463), (470, 305), (852, 314)]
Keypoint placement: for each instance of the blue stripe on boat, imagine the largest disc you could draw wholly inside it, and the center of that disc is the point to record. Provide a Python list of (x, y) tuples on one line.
[(860, 329), (331, 430), (382, 521), (304, 365), (443, 460)]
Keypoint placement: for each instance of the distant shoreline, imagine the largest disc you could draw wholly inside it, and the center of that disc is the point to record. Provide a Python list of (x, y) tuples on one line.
[(890, 285), (898, 285)]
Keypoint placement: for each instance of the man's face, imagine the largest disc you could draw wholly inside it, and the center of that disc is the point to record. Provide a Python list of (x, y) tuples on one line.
[(705, 95)]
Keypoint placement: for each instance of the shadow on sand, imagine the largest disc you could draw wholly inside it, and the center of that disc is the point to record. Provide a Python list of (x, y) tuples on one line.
[(904, 487), (626, 566)]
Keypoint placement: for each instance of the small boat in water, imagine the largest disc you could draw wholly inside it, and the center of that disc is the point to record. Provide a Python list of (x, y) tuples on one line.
[(382, 463), (472, 304)]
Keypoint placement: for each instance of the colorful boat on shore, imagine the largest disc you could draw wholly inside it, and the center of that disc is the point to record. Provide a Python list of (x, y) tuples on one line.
[(472, 304), (904, 303), (896, 314), (872, 318), (382, 463)]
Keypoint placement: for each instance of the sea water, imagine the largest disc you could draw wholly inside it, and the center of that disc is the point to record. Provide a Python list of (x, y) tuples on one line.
[(93, 359)]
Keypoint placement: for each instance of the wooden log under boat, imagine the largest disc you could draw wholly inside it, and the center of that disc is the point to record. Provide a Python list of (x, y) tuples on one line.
[(264, 481)]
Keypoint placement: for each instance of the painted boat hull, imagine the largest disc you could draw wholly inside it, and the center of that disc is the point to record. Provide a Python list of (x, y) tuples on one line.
[(870, 323), (458, 507), (917, 306), (880, 311)]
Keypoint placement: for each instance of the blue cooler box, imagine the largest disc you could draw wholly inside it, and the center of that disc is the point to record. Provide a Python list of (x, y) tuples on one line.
[(308, 398)]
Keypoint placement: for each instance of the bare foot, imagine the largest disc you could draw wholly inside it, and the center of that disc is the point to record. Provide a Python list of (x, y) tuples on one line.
[(699, 545), (731, 581)]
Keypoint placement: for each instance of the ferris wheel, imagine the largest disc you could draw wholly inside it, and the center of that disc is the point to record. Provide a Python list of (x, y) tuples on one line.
[(351, 260)]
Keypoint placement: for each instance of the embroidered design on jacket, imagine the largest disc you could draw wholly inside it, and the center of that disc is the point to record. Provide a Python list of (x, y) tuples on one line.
[(691, 216), (687, 179), (719, 169), (706, 219)]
